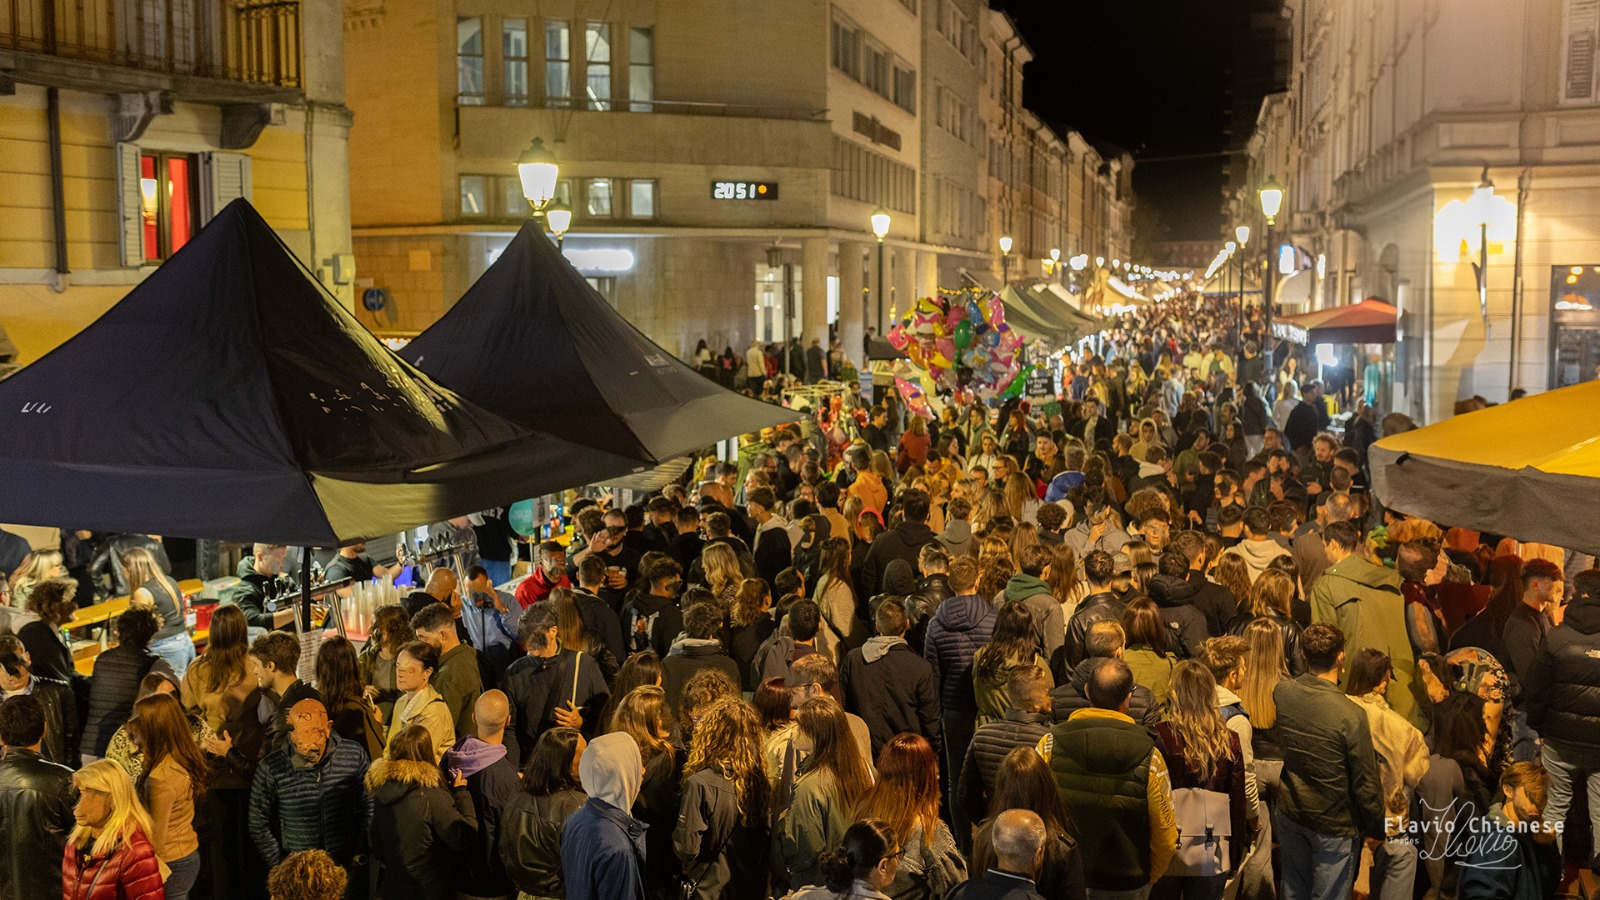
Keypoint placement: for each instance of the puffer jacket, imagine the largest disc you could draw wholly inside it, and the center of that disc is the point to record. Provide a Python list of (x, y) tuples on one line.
[(131, 872), (1563, 689), (958, 629), (415, 829), (1186, 625), (530, 840), (36, 798), (892, 689), (990, 744), (112, 689), (1067, 698), (320, 807)]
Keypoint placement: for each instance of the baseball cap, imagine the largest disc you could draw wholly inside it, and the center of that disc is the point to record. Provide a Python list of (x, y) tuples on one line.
[(1121, 564)]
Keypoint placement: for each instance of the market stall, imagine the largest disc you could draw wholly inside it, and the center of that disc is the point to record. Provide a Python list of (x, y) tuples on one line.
[(1544, 486)]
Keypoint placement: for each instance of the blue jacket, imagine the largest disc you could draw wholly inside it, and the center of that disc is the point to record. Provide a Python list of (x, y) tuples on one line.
[(960, 626), (602, 854), (1507, 864), (320, 807)]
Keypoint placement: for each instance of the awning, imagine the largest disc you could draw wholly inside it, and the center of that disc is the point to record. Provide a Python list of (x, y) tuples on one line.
[(1371, 321), (1543, 486), (657, 478), (1051, 300), (1022, 311)]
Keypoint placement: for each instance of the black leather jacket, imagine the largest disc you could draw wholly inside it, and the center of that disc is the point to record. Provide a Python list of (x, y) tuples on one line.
[(1291, 638), (36, 800)]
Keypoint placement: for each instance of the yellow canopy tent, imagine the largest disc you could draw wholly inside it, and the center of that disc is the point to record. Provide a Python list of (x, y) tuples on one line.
[(1529, 469)]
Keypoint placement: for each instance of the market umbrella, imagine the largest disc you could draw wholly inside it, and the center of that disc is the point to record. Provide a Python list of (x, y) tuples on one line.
[(1529, 469), (229, 396), (1371, 321), (533, 342)]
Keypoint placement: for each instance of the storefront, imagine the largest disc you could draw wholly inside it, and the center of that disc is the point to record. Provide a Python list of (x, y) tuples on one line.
[(1574, 325)]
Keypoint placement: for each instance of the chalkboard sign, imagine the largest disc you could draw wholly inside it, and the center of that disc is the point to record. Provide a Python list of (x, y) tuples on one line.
[(1041, 383)]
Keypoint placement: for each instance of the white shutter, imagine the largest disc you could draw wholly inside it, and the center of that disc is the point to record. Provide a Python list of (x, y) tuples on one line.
[(1580, 32), (129, 205), (227, 178)]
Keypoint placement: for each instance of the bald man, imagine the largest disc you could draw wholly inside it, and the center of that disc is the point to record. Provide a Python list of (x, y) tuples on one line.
[(492, 781), (441, 588), (1018, 838), (308, 795)]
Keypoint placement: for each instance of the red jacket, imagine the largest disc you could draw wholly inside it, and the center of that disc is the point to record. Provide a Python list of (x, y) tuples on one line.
[(535, 588), (131, 873)]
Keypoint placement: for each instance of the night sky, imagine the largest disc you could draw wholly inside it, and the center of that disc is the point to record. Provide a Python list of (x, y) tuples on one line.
[(1149, 76)]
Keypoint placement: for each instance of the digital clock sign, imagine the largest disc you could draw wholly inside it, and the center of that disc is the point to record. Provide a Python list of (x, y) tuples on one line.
[(744, 190)]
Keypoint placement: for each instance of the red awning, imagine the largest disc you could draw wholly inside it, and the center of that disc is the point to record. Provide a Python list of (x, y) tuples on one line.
[(1371, 321)]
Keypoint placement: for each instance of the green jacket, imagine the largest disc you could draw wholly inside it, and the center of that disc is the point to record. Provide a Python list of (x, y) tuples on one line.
[(1330, 769), (1363, 599)]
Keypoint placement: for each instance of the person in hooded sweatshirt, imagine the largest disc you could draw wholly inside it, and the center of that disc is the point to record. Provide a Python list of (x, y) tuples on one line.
[(900, 542), (697, 649), (1258, 548), (417, 823), (1028, 587), (1175, 594), (889, 685), (602, 846), (651, 619), (1105, 639), (962, 624), (774, 547), (956, 539), (492, 781)]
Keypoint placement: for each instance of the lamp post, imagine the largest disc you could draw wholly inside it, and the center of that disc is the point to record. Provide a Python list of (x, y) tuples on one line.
[(560, 218), (880, 229), (537, 170), (1242, 233), (1055, 263), (1078, 263), (1271, 195), (1005, 260), (1482, 198)]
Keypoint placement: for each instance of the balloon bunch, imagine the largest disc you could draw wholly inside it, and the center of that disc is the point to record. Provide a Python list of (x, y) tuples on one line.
[(958, 344)]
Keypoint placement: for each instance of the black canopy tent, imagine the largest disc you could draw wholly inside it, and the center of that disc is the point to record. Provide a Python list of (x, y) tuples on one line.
[(228, 396), (533, 342)]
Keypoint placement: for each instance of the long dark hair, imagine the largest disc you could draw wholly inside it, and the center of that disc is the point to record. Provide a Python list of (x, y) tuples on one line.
[(640, 669), (1505, 578), (338, 676), (1012, 643), (1367, 671), (1024, 781), (1460, 730), (164, 733), (413, 744), (1144, 625), (834, 748), (549, 768), (836, 559), (226, 647)]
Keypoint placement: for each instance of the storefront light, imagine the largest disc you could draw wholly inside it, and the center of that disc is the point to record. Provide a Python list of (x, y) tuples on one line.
[(600, 259)]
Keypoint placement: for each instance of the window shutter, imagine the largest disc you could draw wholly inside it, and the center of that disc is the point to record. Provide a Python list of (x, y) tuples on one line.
[(227, 178), (1580, 32), (130, 206)]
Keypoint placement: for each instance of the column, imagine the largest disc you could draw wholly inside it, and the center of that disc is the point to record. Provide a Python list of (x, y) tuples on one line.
[(904, 281), (852, 298), (927, 273), (814, 291)]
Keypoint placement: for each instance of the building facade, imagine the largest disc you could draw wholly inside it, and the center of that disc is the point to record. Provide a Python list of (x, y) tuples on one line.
[(125, 127), (1423, 142), (722, 160)]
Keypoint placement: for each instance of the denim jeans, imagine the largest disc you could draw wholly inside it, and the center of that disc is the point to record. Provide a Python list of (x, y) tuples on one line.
[(177, 650), (181, 879), (1315, 866), (1559, 800), (1394, 870), (959, 726)]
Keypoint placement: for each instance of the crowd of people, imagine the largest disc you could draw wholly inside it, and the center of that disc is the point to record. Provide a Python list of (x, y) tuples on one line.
[(1153, 640)]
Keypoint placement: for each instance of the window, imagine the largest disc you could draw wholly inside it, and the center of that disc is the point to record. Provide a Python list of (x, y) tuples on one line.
[(606, 286), (563, 192), (847, 49), (469, 61), (641, 199), (861, 174), (512, 203), (641, 69), (557, 64), (597, 193), (474, 195), (876, 71), (168, 203), (597, 64), (514, 61), (905, 89)]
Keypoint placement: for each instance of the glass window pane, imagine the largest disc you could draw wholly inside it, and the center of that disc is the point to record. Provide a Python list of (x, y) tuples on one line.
[(599, 197), (474, 195), (564, 193), (558, 62), (469, 60), (512, 203), (180, 203), (597, 56), (514, 54), (642, 199), (641, 69), (150, 206)]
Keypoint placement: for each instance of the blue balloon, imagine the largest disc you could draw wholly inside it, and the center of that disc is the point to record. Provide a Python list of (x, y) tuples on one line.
[(975, 312), (992, 338)]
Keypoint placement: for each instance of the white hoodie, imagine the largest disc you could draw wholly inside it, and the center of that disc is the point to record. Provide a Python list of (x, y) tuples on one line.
[(612, 770)]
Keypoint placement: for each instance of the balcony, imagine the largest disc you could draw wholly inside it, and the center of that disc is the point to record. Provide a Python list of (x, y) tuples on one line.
[(209, 50)]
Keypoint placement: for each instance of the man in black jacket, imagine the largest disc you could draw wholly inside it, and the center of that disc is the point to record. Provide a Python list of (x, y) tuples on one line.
[(1216, 602), (1332, 797), (698, 649), (250, 594), (1563, 696), (651, 620), (889, 685), (59, 706), (900, 542), (492, 781), (550, 686), (1105, 640), (308, 794), (36, 799), (1100, 605), (774, 549)]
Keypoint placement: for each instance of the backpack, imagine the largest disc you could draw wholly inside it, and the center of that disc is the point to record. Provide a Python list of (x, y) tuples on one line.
[(1205, 833)]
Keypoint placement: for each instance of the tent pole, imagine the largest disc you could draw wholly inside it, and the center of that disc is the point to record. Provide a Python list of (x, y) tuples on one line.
[(304, 615)]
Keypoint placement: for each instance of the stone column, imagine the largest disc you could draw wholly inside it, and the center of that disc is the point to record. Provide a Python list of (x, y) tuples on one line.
[(927, 273), (904, 281), (852, 298), (814, 291)]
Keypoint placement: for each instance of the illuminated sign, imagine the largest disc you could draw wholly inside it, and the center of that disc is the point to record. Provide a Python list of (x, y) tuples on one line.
[(744, 190), (599, 259)]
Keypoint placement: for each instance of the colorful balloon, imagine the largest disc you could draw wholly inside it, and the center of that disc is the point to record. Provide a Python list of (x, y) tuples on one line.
[(962, 334)]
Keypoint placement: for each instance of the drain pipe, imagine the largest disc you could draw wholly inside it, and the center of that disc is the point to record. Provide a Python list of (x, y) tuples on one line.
[(58, 202), (1524, 180)]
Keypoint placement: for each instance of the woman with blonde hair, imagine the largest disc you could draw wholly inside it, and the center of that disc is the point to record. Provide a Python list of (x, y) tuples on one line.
[(1233, 573), (109, 851), (158, 592), (173, 779), (1065, 584), (723, 574), (1269, 600), (883, 467), (1264, 667), (36, 567), (906, 796), (721, 835)]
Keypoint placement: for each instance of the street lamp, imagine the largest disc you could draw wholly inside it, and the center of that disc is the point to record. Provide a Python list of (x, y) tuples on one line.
[(1243, 234), (880, 229), (1055, 262), (1005, 259), (537, 169), (1271, 195), (1482, 201), (560, 218)]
